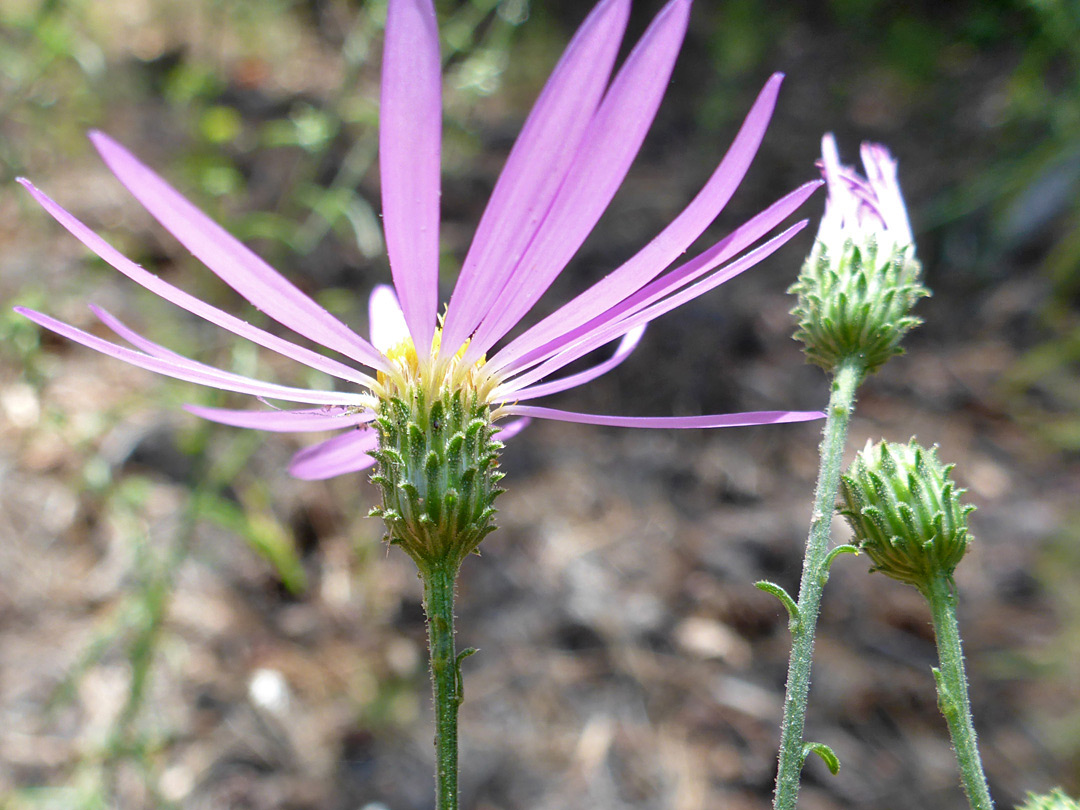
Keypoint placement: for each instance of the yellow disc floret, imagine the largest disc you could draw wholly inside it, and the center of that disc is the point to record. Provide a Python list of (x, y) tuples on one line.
[(437, 375)]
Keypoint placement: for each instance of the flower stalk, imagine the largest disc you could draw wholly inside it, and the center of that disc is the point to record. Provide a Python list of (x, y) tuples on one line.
[(910, 519), (793, 749), (439, 581), (438, 475), (953, 692), (855, 295)]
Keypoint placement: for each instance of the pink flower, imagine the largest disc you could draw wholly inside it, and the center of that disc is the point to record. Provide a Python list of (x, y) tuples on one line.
[(573, 153)]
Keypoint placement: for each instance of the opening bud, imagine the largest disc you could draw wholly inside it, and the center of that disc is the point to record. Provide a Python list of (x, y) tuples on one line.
[(861, 279), (905, 512)]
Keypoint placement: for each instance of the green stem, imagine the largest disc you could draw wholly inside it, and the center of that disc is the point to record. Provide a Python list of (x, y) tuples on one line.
[(953, 694), (815, 571), (439, 604)]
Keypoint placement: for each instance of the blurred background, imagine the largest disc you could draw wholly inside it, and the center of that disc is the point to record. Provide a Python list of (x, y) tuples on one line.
[(184, 626)]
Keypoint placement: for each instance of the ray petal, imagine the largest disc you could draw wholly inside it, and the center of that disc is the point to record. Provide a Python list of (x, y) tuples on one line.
[(330, 417), (602, 161), (410, 138), (143, 344), (511, 429), (345, 453), (388, 327), (536, 166), (667, 422), (626, 346), (230, 259), (642, 314), (189, 302), (667, 246), (511, 361), (153, 349), (191, 371)]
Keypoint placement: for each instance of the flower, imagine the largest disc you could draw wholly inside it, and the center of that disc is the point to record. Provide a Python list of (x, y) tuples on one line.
[(861, 280), (573, 152)]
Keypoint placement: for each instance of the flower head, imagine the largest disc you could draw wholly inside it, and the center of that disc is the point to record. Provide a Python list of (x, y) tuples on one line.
[(571, 156), (1056, 799), (905, 512), (858, 285)]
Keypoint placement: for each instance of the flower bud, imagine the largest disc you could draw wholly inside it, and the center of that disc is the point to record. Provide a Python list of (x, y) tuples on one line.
[(861, 279), (438, 473), (1056, 799), (905, 512)]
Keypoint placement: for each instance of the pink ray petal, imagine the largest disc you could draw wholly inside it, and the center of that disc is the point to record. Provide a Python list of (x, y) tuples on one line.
[(410, 138), (642, 314), (536, 166), (143, 344), (831, 166), (153, 349), (149, 347), (227, 257), (511, 429), (345, 453), (602, 161), (189, 302), (629, 342), (881, 172), (189, 371), (330, 417), (671, 243), (388, 327), (739, 239), (716, 420)]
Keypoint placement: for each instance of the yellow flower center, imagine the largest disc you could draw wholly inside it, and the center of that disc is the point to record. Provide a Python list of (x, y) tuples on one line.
[(436, 375)]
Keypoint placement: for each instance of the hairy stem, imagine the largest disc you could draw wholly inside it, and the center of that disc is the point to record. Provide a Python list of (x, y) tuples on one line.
[(815, 571), (439, 605), (953, 694)]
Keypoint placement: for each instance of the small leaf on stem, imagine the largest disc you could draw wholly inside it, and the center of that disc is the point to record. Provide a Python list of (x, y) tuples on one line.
[(783, 596), (828, 756)]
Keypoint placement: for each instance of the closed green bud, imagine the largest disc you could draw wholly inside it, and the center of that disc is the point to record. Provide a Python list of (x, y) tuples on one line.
[(437, 472), (861, 280), (1056, 799), (905, 512)]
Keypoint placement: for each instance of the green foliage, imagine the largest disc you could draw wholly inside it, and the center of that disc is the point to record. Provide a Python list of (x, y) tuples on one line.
[(258, 526), (1031, 192), (20, 341), (1056, 569)]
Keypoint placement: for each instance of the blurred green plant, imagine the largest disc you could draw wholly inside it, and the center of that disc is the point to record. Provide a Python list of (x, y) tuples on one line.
[(1040, 202), (1057, 567), (136, 627)]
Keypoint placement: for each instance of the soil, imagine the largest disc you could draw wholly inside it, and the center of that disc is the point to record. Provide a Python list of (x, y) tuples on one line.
[(625, 658)]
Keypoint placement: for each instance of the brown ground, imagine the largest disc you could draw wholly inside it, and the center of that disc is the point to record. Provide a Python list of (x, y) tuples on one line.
[(626, 661)]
